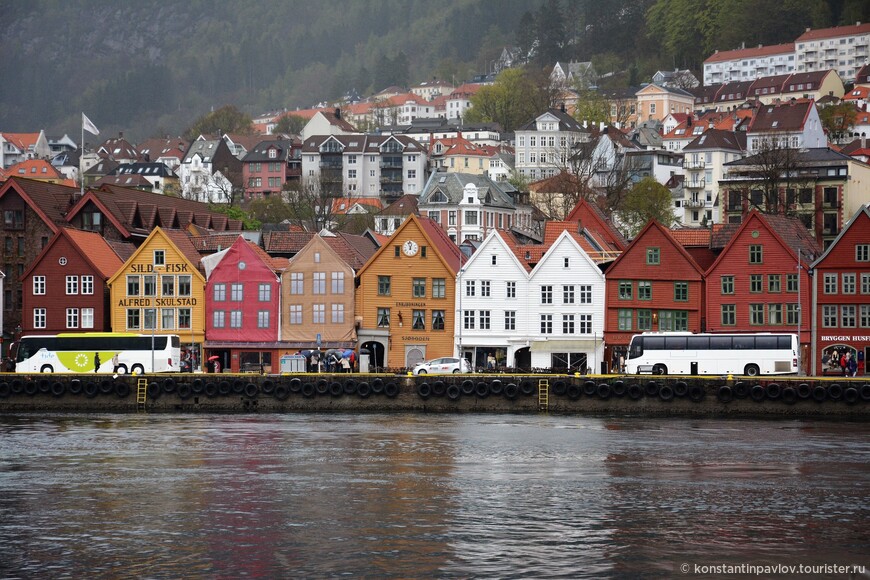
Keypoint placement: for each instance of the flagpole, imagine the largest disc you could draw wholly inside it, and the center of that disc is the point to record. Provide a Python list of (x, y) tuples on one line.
[(82, 154)]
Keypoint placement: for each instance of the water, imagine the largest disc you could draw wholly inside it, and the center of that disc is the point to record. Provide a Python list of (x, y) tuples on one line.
[(421, 496)]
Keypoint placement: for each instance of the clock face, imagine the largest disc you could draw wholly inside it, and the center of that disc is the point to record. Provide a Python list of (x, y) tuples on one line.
[(410, 248)]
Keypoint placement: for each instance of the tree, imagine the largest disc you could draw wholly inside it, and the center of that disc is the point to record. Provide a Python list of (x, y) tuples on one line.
[(237, 213), (838, 121), (290, 125), (550, 32), (270, 210), (771, 179), (227, 119), (647, 200), (592, 107), (311, 203), (525, 36), (516, 97)]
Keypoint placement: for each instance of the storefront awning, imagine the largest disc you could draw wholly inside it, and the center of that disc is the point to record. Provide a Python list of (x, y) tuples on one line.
[(565, 345)]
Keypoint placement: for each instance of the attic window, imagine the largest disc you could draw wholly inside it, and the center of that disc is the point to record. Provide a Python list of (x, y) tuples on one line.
[(159, 257), (774, 124), (680, 131)]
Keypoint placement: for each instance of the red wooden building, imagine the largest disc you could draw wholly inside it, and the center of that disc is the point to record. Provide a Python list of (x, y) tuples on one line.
[(655, 285), (755, 285), (243, 302), (841, 298), (65, 286)]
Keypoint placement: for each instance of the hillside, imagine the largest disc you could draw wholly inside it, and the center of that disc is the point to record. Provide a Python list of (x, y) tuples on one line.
[(150, 68)]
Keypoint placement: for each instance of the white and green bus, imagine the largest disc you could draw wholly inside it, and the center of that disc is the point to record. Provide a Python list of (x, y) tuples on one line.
[(89, 352)]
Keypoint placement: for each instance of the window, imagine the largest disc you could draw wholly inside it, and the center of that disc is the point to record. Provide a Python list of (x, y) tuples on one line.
[(167, 284), (625, 290), (567, 324), (133, 322), (756, 314), (439, 288), (318, 314), (219, 319), (149, 285), (791, 314), (585, 323), (264, 292), (72, 285), (681, 291), (235, 318), (72, 317), (470, 286), (774, 314), (167, 318), (865, 316), (297, 283), (727, 283), (546, 324), (829, 316), (567, 294), (295, 314), (849, 283), (468, 319), (437, 320), (774, 283), (546, 294), (419, 287), (625, 319), (644, 319), (236, 292), (338, 282), (383, 286), (862, 252), (729, 314), (566, 262), (39, 318), (485, 288), (13, 219), (263, 319), (184, 318), (484, 319), (644, 290), (847, 316), (87, 284), (791, 282), (755, 283), (319, 283), (159, 257), (510, 289), (830, 284), (38, 285), (510, 320), (653, 256), (755, 254), (865, 283), (383, 317)]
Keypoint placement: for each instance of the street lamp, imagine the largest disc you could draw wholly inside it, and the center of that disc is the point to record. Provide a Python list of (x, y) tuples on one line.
[(459, 320), (153, 328)]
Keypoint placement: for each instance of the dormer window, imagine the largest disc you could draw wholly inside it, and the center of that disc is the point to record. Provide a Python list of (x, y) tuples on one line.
[(273, 153), (159, 258)]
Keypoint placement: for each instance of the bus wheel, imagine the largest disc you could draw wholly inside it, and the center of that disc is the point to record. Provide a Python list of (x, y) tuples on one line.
[(122, 369), (660, 370), (751, 371), (137, 369), (46, 369)]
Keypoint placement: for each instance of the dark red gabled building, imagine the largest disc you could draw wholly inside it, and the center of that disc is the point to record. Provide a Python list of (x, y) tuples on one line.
[(655, 285), (65, 286), (841, 298), (755, 285)]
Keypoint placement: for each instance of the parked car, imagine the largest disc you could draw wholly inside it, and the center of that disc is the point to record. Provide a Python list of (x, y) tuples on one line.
[(445, 365)]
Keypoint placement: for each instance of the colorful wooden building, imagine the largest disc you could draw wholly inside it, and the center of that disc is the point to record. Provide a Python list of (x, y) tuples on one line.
[(841, 298), (405, 298)]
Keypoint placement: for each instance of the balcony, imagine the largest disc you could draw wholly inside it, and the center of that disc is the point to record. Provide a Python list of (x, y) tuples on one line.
[(696, 184), (694, 203), (694, 163), (330, 163), (391, 164)]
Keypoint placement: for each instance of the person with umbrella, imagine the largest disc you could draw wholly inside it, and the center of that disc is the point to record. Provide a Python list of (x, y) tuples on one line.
[(215, 363)]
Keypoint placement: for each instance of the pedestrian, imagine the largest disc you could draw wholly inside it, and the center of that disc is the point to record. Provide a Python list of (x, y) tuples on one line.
[(490, 362), (115, 364), (852, 367), (96, 362), (217, 366), (844, 362), (345, 364)]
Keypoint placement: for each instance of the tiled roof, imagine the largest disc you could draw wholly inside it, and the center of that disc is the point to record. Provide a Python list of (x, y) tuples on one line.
[(718, 139), (566, 122), (405, 205), (834, 32), (814, 78), (692, 236), (759, 51), (789, 116), (97, 250), (449, 251), (21, 140), (153, 149), (285, 242), (354, 250), (276, 264), (51, 200), (182, 241), (35, 169)]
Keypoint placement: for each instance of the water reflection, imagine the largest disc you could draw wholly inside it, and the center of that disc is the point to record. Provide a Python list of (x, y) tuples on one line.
[(423, 496)]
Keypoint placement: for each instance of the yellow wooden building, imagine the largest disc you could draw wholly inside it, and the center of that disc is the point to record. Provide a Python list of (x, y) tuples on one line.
[(160, 289), (405, 299)]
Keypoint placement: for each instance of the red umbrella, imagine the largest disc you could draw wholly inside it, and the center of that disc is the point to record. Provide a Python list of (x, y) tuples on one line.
[(213, 357)]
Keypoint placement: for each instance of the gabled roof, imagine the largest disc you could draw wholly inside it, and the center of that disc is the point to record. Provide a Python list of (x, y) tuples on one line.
[(811, 81), (405, 205), (756, 52), (50, 201), (282, 242), (566, 122), (260, 151), (862, 215), (179, 239), (790, 116), (153, 149), (452, 186), (790, 233), (719, 140), (590, 216), (506, 239), (863, 75), (639, 240), (91, 246), (117, 148), (35, 169), (566, 236), (677, 91), (22, 141)]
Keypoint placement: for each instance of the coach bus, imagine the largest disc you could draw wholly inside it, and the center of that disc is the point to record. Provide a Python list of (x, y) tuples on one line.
[(89, 352), (684, 353)]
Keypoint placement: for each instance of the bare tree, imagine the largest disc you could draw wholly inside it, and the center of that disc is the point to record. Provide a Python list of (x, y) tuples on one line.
[(311, 203), (769, 180)]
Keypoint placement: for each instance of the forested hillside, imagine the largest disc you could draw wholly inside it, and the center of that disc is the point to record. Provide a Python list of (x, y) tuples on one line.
[(151, 67)]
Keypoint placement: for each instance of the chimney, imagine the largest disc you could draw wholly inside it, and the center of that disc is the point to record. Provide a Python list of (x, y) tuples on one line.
[(120, 134), (562, 107), (337, 113)]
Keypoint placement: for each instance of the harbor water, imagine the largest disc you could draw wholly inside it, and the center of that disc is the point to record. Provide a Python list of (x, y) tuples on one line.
[(428, 496)]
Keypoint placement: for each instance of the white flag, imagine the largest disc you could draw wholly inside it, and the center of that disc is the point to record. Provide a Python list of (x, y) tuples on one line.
[(88, 126)]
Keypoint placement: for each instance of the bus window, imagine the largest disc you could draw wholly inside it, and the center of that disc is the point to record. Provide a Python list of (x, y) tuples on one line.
[(720, 343), (766, 342), (654, 343), (743, 342), (784, 342), (635, 349), (698, 343), (675, 343)]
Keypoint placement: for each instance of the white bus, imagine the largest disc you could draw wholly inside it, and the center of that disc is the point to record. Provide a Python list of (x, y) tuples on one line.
[(89, 352), (684, 353)]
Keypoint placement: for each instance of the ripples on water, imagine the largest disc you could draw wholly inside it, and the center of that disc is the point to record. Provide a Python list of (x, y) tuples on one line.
[(417, 496)]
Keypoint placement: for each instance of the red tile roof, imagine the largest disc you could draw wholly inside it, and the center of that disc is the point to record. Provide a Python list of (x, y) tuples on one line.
[(96, 250), (759, 51), (834, 32), (51, 201)]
